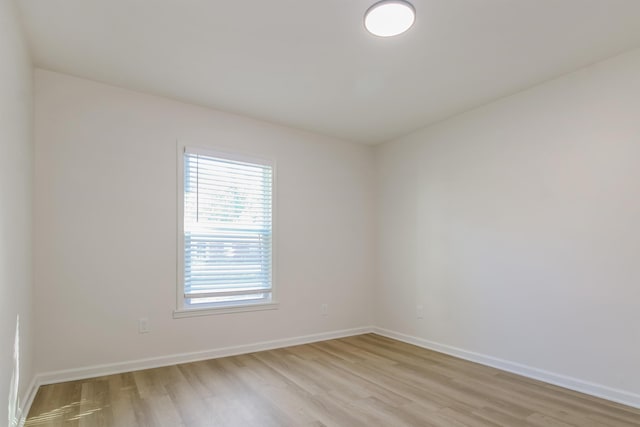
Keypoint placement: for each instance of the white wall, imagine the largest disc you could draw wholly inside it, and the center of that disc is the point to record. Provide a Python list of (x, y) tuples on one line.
[(517, 227), (105, 224), (16, 152)]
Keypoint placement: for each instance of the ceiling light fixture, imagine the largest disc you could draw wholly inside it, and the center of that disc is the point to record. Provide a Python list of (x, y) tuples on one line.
[(389, 18)]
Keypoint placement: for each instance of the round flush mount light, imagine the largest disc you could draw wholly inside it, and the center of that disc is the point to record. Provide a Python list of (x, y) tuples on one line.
[(389, 18)]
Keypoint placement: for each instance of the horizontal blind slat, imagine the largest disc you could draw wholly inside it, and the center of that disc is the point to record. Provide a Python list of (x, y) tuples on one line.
[(219, 162), (255, 291)]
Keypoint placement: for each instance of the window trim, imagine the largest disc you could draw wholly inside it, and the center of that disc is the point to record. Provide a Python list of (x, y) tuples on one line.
[(182, 311)]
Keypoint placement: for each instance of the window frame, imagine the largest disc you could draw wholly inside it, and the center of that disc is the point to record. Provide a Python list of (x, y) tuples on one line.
[(182, 308)]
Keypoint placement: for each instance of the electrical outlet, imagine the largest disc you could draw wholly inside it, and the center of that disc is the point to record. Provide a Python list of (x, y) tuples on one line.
[(419, 311), (143, 325), (324, 309)]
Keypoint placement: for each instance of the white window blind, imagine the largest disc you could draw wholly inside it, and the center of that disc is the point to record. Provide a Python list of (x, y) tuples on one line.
[(227, 230)]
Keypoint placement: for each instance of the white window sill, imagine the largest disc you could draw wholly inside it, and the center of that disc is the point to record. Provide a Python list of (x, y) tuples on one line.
[(209, 311)]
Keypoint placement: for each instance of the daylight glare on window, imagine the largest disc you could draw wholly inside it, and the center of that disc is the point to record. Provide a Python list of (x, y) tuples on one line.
[(227, 231)]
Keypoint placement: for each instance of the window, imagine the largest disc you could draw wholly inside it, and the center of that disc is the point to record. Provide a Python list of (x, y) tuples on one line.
[(226, 232)]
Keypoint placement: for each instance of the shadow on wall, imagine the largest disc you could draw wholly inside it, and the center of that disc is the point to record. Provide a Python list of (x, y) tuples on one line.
[(14, 404)]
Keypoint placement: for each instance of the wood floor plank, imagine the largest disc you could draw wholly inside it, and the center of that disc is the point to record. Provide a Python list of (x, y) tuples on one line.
[(365, 380)]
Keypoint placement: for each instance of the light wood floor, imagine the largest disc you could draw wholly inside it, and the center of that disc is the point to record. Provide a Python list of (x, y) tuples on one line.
[(366, 380)]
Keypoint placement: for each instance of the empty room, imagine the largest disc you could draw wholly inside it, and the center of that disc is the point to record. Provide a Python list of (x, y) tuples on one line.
[(319, 213)]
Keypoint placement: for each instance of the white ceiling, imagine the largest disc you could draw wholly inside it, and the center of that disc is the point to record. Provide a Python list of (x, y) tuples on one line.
[(310, 64)]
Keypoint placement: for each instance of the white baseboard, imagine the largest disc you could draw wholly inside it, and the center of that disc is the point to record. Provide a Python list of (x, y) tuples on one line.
[(27, 400), (597, 390), (173, 359)]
